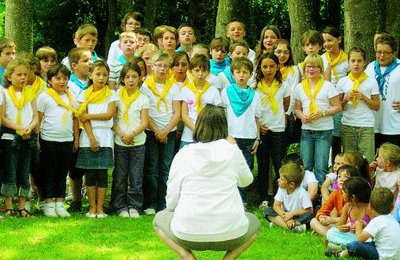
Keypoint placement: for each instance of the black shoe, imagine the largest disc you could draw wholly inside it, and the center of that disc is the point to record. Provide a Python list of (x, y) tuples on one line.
[(75, 206)]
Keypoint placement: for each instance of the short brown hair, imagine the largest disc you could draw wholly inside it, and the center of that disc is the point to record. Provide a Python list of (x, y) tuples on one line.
[(382, 200), (85, 29), (200, 61), (211, 124), (313, 37), (46, 52), (219, 43), (75, 54), (292, 172), (6, 43), (134, 15), (242, 62)]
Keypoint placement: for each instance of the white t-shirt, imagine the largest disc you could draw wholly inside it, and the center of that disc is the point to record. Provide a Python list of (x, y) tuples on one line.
[(292, 80), (387, 120), (224, 80), (211, 96), (134, 115), (245, 125), (114, 52), (362, 115), (163, 116), (309, 177), (298, 199), (215, 81), (275, 123), (11, 111), (385, 232), (341, 69), (322, 99), (52, 127), (101, 129), (390, 180)]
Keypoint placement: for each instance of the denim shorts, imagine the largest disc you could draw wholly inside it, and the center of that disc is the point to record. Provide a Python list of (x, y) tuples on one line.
[(103, 159)]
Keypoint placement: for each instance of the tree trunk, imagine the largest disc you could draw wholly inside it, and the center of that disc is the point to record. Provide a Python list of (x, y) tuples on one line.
[(393, 19), (19, 24), (333, 13), (111, 25), (361, 20), (302, 18)]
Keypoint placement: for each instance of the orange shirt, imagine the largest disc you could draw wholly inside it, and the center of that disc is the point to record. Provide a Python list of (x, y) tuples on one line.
[(334, 201)]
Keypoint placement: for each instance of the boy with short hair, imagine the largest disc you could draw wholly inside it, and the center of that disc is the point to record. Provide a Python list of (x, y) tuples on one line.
[(218, 49), (143, 36), (85, 37), (292, 205), (236, 49), (7, 54), (127, 44), (312, 42), (235, 31), (382, 229), (186, 37)]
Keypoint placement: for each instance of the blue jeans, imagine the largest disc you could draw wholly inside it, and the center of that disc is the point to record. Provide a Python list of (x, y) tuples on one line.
[(127, 184), (16, 161), (365, 250), (157, 161), (273, 145), (314, 150), (246, 146)]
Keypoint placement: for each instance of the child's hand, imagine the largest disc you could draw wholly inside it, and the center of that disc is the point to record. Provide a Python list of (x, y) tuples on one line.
[(287, 216), (263, 129), (255, 147), (325, 220), (127, 138), (83, 117), (290, 223), (94, 146), (26, 134), (344, 228), (373, 165), (162, 136), (75, 147)]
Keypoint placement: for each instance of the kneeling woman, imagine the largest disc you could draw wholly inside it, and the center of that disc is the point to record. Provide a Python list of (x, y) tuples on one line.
[(204, 208)]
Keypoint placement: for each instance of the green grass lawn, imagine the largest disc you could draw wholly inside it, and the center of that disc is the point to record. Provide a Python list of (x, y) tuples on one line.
[(81, 238)]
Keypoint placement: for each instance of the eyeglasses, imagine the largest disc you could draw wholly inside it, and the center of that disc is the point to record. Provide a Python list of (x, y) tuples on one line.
[(308, 67), (384, 53), (279, 52)]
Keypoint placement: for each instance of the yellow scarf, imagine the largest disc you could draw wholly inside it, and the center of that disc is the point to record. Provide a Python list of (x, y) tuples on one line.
[(27, 95), (269, 91), (56, 97), (285, 71), (91, 97), (127, 100), (198, 93), (356, 85), (150, 82), (37, 85), (311, 95), (332, 63)]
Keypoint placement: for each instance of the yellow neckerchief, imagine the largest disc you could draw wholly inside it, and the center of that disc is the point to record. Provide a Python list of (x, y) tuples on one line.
[(56, 97), (37, 85), (332, 63), (285, 71), (356, 85), (198, 93), (311, 95), (27, 95), (150, 82), (91, 97), (127, 100), (269, 91)]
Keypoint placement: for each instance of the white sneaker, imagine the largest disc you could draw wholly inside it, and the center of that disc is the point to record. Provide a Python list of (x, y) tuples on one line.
[(49, 210), (264, 204), (133, 213), (102, 215), (63, 213), (300, 229), (272, 224), (91, 215), (149, 211), (124, 214), (28, 206)]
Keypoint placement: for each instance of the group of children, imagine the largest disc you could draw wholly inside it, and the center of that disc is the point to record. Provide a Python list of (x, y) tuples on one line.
[(135, 111)]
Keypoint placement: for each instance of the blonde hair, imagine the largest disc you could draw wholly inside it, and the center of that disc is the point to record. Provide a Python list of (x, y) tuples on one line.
[(11, 67), (292, 172), (171, 30), (160, 56), (159, 31), (316, 59), (147, 47), (390, 153), (85, 29), (131, 35)]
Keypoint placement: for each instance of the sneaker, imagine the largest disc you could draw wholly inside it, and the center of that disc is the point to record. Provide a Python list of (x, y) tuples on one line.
[(133, 213), (272, 224), (28, 206), (63, 213), (124, 214), (264, 204), (41, 205), (333, 252), (75, 206), (102, 215), (69, 196), (300, 229), (49, 210), (149, 211), (90, 215)]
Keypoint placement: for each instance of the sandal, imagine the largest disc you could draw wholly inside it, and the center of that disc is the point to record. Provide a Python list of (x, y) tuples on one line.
[(23, 213), (9, 212)]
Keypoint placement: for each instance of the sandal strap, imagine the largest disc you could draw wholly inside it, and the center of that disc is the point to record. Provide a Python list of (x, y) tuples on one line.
[(24, 213)]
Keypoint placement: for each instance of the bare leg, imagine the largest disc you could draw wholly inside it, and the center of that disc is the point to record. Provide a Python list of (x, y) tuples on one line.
[(9, 203), (91, 191), (21, 202), (278, 220), (101, 194), (318, 227), (234, 254), (182, 252)]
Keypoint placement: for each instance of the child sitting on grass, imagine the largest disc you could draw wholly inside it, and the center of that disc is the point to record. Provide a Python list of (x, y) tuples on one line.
[(330, 184), (292, 206)]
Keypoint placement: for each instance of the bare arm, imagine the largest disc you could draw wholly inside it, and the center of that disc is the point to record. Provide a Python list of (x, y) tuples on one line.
[(185, 116), (111, 108), (361, 235), (286, 103)]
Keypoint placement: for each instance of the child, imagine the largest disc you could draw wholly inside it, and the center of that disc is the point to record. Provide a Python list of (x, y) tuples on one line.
[(329, 213), (96, 112), (292, 206), (243, 110), (131, 22), (218, 49), (195, 95), (85, 37), (274, 103), (19, 119), (143, 36), (169, 40), (235, 31), (47, 57), (7, 54), (361, 99), (269, 36), (358, 161), (187, 37), (158, 35), (386, 167), (316, 102), (180, 66), (59, 137), (330, 183), (127, 44), (236, 49), (164, 114), (356, 194), (312, 42), (146, 52), (132, 120), (383, 230)]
